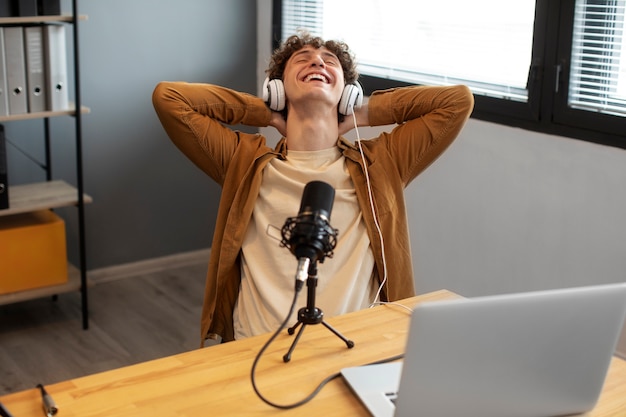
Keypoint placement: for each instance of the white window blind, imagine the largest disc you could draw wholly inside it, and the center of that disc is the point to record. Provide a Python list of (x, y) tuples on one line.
[(302, 14), (598, 62), (483, 43)]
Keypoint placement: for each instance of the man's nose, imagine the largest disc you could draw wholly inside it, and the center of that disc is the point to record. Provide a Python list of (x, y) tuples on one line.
[(317, 60)]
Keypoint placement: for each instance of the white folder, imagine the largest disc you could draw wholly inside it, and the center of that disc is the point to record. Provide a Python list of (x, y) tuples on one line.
[(56, 67), (35, 73), (16, 69)]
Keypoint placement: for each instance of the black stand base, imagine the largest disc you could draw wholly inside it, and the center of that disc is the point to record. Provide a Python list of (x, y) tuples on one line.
[(311, 315)]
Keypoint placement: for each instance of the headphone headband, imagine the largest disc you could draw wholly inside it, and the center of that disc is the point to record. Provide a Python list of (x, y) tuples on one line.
[(274, 96)]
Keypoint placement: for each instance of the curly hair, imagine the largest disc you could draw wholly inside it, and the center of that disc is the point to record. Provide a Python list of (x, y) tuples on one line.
[(296, 42)]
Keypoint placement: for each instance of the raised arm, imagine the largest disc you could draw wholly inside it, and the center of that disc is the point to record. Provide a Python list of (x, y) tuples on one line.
[(428, 120), (193, 115)]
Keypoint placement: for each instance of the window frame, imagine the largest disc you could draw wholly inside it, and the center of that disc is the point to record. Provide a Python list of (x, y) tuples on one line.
[(547, 110)]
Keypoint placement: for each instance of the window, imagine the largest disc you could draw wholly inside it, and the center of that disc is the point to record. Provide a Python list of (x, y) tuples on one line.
[(597, 75), (555, 66)]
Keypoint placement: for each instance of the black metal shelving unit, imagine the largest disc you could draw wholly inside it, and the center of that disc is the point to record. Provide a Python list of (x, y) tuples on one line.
[(52, 193)]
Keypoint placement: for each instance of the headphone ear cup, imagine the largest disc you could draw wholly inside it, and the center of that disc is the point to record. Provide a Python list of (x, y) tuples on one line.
[(351, 98), (274, 94)]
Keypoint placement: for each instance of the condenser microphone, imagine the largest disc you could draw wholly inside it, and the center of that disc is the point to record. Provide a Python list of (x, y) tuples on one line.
[(309, 235)]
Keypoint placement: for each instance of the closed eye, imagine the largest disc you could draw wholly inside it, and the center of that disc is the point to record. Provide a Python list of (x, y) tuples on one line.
[(305, 55)]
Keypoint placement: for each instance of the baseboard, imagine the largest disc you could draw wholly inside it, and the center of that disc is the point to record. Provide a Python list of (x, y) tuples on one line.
[(112, 273)]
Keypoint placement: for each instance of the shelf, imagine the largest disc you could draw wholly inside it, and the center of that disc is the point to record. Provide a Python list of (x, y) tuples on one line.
[(42, 196), (43, 114), (39, 19), (54, 194), (72, 284)]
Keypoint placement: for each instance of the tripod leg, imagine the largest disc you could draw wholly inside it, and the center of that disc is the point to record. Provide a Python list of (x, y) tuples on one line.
[(293, 328), (287, 356), (348, 342)]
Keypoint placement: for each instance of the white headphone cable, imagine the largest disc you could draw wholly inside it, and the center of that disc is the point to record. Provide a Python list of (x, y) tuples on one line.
[(371, 200)]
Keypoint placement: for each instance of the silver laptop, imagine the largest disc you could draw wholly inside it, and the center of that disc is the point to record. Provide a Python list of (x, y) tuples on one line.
[(543, 353)]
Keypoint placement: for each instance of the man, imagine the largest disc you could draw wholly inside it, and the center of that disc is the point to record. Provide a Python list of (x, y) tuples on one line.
[(250, 279)]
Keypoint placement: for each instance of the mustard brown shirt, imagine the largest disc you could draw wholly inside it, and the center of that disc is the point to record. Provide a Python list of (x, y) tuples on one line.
[(194, 116)]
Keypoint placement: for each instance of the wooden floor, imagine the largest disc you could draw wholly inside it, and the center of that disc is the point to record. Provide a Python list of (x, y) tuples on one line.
[(132, 320)]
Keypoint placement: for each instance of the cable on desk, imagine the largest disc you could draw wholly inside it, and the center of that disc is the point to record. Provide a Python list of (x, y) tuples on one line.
[(390, 303), (258, 357), (321, 384)]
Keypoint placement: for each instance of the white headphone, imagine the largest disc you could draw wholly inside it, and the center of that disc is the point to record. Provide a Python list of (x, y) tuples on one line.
[(274, 96)]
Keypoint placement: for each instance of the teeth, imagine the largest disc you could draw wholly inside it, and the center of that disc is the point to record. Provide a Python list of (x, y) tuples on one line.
[(316, 77)]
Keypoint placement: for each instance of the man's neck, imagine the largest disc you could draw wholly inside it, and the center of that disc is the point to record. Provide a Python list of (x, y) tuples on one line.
[(308, 132)]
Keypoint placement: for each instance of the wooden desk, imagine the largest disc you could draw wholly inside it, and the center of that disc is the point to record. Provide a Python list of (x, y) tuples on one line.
[(216, 380)]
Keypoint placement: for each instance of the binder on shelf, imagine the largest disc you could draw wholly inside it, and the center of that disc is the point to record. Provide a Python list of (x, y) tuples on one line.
[(49, 7), (4, 183), (35, 70), (16, 69), (25, 7), (4, 101), (56, 67)]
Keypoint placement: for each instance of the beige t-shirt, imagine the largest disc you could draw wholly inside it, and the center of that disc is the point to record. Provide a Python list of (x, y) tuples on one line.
[(345, 281)]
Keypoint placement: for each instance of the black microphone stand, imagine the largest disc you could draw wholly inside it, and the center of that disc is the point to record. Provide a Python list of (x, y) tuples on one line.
[(311, 314)]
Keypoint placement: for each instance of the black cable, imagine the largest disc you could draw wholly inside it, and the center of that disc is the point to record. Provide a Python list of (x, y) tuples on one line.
[(256, 361), (265, 346), (320, 385)]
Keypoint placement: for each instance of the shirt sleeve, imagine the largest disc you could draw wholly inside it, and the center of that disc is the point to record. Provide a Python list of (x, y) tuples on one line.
[(428, 118), (194, 117)]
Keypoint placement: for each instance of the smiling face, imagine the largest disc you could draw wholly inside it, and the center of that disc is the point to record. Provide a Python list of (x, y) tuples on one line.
[(295, 44), (313, 74)]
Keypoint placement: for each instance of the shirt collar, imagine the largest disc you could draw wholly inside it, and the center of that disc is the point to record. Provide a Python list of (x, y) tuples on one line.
[(346, 147)]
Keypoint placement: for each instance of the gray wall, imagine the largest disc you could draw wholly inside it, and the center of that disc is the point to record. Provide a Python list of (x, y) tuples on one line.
[(149, 201), (508, 210)]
